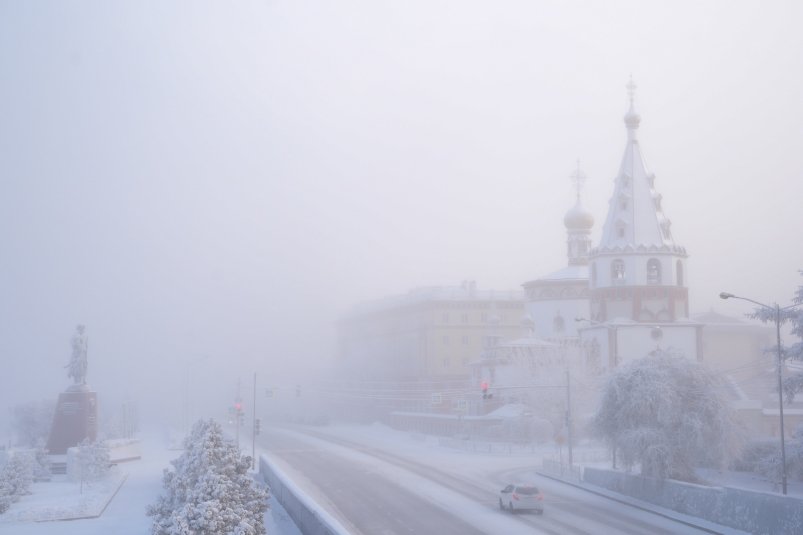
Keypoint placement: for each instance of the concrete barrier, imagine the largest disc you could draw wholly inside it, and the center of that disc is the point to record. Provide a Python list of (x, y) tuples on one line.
[(310, 518), (752, 511)]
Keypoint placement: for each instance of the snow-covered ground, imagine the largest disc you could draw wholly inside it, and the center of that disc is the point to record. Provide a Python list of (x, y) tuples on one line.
[(125, 514)]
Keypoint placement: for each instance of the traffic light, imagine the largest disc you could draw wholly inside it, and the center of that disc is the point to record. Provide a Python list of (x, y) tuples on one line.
[(484, 388), (256, 426)]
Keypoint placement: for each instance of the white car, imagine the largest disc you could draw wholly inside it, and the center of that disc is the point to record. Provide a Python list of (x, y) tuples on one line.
[(521, 497)]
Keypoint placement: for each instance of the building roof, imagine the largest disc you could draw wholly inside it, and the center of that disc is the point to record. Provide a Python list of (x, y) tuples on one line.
[(570, 273), (465, 292)]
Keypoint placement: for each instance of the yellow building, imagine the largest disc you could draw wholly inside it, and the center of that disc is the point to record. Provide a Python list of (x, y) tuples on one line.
[(431, 333)]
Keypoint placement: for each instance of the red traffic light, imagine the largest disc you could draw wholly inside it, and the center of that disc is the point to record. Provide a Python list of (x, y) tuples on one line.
[(238, 406)]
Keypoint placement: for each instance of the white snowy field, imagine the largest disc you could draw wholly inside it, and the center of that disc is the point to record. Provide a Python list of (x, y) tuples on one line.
[(125, 513)]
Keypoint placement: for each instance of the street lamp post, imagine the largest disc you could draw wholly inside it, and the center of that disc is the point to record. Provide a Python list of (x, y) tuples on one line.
[(777, 309), (612, 334)]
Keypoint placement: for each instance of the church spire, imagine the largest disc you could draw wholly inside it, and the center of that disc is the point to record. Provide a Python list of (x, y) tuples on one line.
[(637, 251), (636, 220)]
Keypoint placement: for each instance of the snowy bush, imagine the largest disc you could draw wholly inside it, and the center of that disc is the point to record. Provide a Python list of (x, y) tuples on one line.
[(666, 413), (93, 460), (753, 454), (768, 458), (210, 490)]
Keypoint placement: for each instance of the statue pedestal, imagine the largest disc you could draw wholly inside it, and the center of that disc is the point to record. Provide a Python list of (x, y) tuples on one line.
[(76, 418)]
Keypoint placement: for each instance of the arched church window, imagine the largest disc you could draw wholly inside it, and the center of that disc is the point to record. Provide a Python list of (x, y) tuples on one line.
[(594, 274), (680, 273), (653, 271), (618, 272)]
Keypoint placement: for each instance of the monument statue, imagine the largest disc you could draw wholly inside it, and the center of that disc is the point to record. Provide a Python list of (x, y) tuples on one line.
[(77, 365), (76, 415)]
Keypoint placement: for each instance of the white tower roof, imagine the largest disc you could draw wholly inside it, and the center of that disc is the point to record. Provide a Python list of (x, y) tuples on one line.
[(636, 221)]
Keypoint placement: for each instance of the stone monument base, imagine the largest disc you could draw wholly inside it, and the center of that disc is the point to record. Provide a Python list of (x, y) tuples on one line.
[(76, 419)]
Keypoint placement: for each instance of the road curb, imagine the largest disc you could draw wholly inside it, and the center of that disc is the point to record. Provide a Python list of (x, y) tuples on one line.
[(697, 523)]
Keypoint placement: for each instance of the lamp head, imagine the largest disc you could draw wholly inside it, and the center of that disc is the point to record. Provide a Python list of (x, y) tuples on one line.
[(725, 295)]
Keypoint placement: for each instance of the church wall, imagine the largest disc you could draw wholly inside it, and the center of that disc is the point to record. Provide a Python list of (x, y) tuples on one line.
[(544, 313), (637, 341), (636, 270)]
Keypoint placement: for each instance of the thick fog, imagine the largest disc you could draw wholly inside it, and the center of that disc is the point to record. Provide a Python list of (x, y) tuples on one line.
[(207, 186)]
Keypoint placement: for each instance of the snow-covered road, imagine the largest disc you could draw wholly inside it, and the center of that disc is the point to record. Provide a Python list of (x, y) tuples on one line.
[(377, 480)]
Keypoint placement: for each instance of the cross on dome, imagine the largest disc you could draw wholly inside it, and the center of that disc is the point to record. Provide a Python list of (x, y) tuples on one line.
[(631, 90), (632, 119), (579, 179)]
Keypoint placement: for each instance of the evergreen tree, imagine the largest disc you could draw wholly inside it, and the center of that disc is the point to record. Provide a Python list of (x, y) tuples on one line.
[(210, 491), (793, 383), (16, 478)]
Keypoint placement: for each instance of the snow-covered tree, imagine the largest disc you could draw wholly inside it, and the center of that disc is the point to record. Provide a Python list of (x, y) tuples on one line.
[(16, 478), (41, 468), (31, 422), (93, 460), (793, 383), (668, 414), (770, 463), (210, 490)]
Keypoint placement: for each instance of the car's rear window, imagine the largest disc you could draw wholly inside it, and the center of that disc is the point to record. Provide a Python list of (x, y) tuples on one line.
[(527, 491)]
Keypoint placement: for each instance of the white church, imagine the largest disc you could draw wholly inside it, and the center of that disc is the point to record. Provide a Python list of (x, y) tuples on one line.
[(627, 296)]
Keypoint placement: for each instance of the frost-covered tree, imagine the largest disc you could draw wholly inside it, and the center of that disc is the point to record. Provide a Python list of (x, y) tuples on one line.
[(41, 470), (16, 478), (770, 463), (793, 383), (210, 490), (31, 422), (668, 414), (93, 460)]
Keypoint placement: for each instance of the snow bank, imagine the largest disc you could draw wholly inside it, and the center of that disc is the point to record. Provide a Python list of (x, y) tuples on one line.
[(308, 516), (755, 512)]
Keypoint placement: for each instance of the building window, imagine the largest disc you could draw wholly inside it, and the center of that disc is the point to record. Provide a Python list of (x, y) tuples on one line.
[(464, 318), (445, 317), (465, 340), (623, 203), (484, 317), (445, 363), (653, 271), (594, 274), (618, 272), (558, 324), (680, 273), (446, 340)]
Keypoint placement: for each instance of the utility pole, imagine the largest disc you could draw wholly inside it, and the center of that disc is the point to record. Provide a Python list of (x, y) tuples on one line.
[(569, 414), (238, 412), (254, 425)]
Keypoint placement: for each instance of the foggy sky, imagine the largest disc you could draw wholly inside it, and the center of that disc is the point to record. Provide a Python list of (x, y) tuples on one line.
[(208, 185)]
